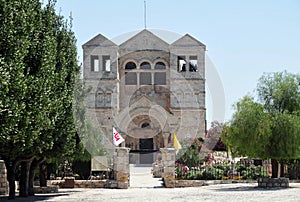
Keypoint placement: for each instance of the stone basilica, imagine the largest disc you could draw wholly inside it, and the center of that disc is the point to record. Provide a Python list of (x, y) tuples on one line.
[(148, 89)]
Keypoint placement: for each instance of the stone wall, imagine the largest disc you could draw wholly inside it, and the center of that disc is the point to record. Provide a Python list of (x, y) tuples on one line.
[(168, 183), (273, 182), (3, 179), (84, 183), (183, 183), (44, 190)]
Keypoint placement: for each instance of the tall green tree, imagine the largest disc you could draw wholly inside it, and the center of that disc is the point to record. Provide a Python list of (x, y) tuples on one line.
[(38, 71), (270, 127)]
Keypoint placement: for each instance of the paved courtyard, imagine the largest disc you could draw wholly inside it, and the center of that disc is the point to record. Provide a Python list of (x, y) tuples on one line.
[(145, 188)]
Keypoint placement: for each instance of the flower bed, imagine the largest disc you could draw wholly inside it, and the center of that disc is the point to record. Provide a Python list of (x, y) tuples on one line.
[(220, 171)]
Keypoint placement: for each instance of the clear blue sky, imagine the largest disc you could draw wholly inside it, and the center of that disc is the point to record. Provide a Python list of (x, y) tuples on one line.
[(244, 39)]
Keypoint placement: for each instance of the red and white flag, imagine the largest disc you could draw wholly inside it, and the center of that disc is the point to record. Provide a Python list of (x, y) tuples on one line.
[(117, 138)]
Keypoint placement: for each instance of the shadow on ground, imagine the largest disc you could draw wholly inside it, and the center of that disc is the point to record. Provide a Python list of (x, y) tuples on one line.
[(40, 197), (249, 188)]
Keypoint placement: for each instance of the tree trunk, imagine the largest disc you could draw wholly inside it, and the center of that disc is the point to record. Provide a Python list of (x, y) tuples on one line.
[(275, 168), (43, 175), (24, 178), (31, 179), (10, 167), (33, 167), (282, 170)]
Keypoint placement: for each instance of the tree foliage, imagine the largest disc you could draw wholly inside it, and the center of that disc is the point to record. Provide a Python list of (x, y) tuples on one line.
[(38, 59), (269, 127)]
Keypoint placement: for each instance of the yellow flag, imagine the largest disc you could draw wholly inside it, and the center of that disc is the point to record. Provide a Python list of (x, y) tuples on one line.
[(177, 145)]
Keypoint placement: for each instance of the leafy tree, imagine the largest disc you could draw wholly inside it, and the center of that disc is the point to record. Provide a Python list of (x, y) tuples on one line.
[(38, 71), (269, 127)]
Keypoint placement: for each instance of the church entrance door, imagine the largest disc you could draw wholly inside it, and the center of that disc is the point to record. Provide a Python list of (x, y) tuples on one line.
[(146, 151)]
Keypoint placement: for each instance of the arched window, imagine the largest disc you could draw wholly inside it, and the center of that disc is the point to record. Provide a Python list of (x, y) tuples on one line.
[(160, 65), (145, 125), (145, 65), (130, 65)]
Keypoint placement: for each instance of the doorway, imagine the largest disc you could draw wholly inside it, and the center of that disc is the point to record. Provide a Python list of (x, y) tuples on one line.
[(146, 151)]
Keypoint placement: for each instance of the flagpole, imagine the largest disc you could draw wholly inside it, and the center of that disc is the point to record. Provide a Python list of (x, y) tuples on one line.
[(145, 14)]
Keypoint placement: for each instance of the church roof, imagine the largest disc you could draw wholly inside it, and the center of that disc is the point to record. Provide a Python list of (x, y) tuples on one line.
[(187, 40), (99, 40), (145, 40), (167, 36), (164, 36)]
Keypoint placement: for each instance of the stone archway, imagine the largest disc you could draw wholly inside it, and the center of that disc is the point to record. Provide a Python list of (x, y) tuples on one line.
[(144, 125)]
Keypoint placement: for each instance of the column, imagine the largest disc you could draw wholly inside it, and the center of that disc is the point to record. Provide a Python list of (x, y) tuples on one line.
[(168, 161), (121, 167), (166, 138)]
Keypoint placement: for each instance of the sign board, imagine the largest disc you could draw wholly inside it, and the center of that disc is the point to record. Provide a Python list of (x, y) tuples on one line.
[(99, 163)]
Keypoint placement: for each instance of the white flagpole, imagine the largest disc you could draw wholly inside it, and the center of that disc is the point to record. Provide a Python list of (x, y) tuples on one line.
[(145, 14)]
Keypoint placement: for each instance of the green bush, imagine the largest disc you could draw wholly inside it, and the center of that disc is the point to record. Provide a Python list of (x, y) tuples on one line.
[(209, 173), (222, 166), (240, 167), (254, 172), (194, 175), (212, 173), (219, 171)]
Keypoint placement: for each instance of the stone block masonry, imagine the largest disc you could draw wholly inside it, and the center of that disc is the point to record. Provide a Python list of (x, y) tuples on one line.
[(121, 167), (273, 182), (3, 179), (168, 161)]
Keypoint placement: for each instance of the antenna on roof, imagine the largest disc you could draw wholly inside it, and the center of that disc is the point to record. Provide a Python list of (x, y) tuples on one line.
[(145, 14)]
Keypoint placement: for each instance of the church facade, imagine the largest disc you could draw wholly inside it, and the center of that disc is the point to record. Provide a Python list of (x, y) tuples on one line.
[(148, 89)]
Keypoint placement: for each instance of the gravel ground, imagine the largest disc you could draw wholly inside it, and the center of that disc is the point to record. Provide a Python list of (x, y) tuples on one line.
[(229, 192), (145, 188)]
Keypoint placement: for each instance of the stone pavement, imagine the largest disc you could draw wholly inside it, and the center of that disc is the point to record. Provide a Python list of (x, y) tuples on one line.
[(141, 177), (145, 188)]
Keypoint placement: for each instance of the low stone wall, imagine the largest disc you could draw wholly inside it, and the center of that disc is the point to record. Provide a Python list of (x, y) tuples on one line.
[(85, 183), (262, 182), (43, 190), (90, 183), (273, 182), (3, 179), (171, 183), (183, 183)]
